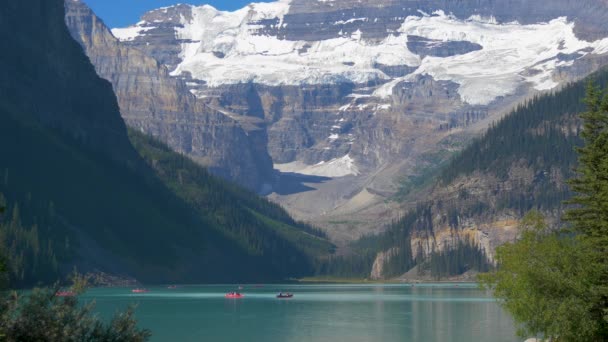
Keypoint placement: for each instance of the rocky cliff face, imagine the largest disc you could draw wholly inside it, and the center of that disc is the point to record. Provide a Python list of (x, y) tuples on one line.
[(160, 105), (360, 93), (473, 209)]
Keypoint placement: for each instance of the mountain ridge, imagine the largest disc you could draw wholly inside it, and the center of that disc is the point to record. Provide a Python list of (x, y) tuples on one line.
[(80, 193)]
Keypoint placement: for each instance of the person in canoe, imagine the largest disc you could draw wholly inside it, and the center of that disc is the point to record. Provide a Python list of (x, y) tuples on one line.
[(234, 295), (285, 295)]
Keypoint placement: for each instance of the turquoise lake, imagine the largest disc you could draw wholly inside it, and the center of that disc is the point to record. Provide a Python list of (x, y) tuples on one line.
[(424, 312)]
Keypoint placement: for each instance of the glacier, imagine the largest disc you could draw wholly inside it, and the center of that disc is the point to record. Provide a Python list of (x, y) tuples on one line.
[(222, 47)]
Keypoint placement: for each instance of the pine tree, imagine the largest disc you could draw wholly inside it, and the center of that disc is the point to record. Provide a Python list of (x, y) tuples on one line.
[(589, 219)]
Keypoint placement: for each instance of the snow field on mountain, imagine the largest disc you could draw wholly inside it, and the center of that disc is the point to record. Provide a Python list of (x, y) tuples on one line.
[(337, 167), (224, 48)]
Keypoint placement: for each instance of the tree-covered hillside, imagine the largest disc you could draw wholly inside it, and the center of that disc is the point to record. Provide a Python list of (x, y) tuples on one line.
[(521, 163), (78, 193)]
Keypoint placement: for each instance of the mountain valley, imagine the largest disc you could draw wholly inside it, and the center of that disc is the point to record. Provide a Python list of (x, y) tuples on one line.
[(350, 98)]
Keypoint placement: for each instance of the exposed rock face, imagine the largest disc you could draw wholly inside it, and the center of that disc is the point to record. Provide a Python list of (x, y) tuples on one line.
[(437, 48), (156, 103), (381, 260), (369, 89), (469, 209)]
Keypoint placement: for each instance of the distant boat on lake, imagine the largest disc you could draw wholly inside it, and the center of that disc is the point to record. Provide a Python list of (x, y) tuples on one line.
[(285, 295), (139, 290), (234, 295)]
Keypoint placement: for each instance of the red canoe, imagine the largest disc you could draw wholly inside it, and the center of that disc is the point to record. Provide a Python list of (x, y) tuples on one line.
[(139, 290), (234, 295)]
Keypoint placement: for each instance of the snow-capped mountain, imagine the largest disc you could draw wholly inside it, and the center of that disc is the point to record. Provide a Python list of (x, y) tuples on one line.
[(232, 47), (368, 89)]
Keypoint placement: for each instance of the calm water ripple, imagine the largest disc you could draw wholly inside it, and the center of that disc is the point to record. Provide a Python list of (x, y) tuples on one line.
[(391, 312)]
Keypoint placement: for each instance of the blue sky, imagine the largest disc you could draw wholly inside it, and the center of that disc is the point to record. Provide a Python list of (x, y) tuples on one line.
[(120, 13)]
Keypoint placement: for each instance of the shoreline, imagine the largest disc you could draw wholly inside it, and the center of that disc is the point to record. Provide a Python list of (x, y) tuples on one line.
[(329, 280)]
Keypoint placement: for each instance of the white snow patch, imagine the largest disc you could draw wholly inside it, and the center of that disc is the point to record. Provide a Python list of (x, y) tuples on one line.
[(358, 96), (510, 52), (272, 61), (349, 21), (338, 167), (130, 33)]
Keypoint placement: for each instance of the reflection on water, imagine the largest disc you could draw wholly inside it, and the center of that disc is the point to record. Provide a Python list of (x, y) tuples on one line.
[(429, 312)]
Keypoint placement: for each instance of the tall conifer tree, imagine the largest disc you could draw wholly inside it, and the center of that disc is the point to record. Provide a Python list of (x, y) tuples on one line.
[(589, 219)]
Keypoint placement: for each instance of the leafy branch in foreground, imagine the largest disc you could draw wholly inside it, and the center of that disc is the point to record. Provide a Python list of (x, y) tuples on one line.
[(42, 316), (542, 280)]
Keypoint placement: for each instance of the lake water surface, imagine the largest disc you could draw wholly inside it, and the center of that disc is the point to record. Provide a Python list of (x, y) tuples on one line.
[(424, 312)]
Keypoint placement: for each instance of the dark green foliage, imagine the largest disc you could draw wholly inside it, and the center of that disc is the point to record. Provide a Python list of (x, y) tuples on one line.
[(135, 215), (3, 275), (42, 316), (396, 241), (533, 133), (546, 282), (426, 170), (32, 256), (463, 257), (541, 135), (399, 262), (262, 228), (81, 190), (589, 217), (210, 195), (555, 281), (354, 265)]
